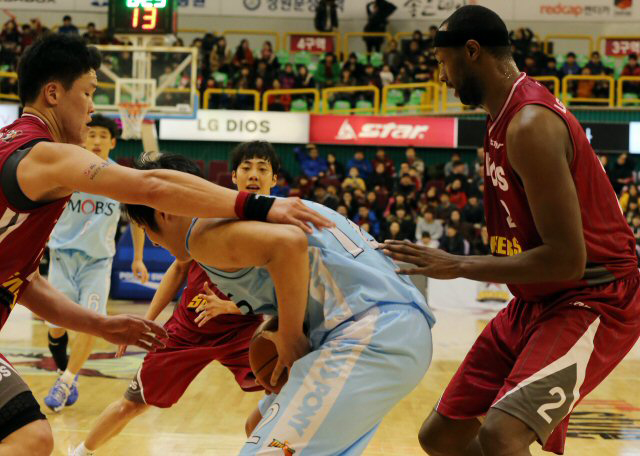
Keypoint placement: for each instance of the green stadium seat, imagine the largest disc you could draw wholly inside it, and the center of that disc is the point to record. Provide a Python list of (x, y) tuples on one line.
[(312, 67), (342, 105), (362, 58), (416, 97), (299, 105), (101, 99), (376, 59), (395, 96), (630, 96), (364, 104), (560, 59), (391, 104), (302, 58), (283, 57), (221, 78), (582, 59)]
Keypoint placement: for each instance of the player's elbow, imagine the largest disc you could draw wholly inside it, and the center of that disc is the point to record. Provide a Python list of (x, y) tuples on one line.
[(573, 265), (150, 187)]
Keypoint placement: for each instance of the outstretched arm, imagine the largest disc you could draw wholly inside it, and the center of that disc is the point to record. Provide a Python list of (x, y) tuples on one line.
[(543, 167), (283, 251), (52, 170), (137, 265), (47, 302)]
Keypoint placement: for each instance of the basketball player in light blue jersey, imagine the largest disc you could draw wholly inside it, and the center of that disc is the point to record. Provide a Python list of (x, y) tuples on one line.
[(368, 342), (82, 247)]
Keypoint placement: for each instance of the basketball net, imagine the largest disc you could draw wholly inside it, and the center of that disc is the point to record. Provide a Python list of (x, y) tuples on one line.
[(132, 115)]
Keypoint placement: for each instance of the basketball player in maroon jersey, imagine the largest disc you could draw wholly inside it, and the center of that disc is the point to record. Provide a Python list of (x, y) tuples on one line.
[(41, 165), (559, 240), (195, 340)]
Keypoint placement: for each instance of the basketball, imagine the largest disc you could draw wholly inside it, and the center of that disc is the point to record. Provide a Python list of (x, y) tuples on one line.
[(263, 355)]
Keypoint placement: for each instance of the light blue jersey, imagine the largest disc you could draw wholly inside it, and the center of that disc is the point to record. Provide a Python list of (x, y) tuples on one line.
[(348, 275), (88, 224)]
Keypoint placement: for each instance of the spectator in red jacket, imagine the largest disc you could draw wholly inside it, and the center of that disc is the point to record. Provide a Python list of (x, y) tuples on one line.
[(631, 69)]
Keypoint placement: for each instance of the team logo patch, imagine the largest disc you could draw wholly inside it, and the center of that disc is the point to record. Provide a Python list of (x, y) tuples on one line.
[(286, 449), (9, 135)]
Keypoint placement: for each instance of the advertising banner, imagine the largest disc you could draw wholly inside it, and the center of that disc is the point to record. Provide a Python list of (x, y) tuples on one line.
[(619, 47), (311, 43), (222, 125), (467, 294), (384, 130), (576, 10)]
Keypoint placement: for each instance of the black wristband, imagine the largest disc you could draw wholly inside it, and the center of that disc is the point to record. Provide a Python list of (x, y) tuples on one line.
[(257, 207)]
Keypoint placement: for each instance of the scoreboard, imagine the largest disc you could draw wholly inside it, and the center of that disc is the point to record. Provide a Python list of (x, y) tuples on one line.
[(142, 17)]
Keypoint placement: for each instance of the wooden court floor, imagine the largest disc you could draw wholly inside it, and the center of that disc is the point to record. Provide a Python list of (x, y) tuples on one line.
[(209, 419)]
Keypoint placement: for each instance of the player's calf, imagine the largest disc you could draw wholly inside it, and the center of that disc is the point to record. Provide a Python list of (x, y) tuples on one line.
[(504, 435), (33, 439), (442, 436)]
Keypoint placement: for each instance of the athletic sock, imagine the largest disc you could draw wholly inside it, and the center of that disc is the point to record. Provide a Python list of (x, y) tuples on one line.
[(58, 349), (67, 377), (81, 450)]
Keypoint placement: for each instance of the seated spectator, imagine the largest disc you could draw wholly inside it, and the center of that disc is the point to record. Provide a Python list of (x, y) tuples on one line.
[(380, 178), (428, 242), (350, 203), (417, 181), (343, 211), (288, 77), (422, 71), (220, 57), (313, 165), (427, 223), (518, 56), (364, 215), (359, 161), (571, 65), (635, 227), (280, 101), (268, 56), (322, 196), (414, 161), (457, 195), (452, 242), (455, 160), (586, 88), (521, 39), (281, 188), (407, 224), (538, 55), (402, 76), (458, 172), (429, 41), (386, 75), (595, 64), (305, 187), (621, 172), (381, 157), (371, 77), (375, 204), (445, 208), (413, 53), (530, 66), (91, 36), (473, 212), (304, 80), (392, 56), (481, 245), (406, 186), (67, 26), (335, 169), (465, 229), (631, 69), (328, 72), (551, 70), (356, 69), (27, 36), (394, 232), (354, 181)]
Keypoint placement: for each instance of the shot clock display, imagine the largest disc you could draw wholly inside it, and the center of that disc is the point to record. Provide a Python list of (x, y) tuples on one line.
[(144, 17)]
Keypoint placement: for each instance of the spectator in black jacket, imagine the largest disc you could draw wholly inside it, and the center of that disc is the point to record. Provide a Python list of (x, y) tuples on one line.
[(452, 242), (378, 11), (326, 18)]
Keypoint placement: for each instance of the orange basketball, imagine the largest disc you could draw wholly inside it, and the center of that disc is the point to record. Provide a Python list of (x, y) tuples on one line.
[(263, 355)]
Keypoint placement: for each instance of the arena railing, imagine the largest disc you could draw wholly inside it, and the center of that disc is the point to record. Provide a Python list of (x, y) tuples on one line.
[(622, 100), (207, 94), (559, 36), (431, 95), (292, 92), (9, 96), (555, 80), (348, 35), (326, 93), (610, 100), (274, 34), (337, 41)]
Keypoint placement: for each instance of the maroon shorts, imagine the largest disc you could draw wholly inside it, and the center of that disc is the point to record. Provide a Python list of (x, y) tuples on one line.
[(536, 361), (166, 373)]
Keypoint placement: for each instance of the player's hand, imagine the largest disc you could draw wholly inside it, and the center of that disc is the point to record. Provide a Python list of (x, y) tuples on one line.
[(122, 349), (212, 306), (292, 211), (290, 349), (140, 271), (430, 262), (132, 330)]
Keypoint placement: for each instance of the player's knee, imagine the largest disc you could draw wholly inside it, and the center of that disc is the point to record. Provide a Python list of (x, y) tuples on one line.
[(38, 441), (131, 409), (436, 441), (502, 434)]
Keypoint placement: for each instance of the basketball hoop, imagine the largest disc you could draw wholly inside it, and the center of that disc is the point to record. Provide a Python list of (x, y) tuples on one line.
[(132, 115)]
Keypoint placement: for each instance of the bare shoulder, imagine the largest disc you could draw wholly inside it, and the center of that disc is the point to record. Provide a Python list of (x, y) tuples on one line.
[(534, 124)]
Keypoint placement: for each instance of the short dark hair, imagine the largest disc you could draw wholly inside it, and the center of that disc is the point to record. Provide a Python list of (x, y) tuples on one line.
[(255, 149), (145, 215), (633, 56), (476, 17), (571, 54), (54, 57), (66, 18), (98, 120)]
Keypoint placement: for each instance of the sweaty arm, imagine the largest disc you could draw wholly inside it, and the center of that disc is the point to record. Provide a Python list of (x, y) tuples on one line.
[(540, 150)]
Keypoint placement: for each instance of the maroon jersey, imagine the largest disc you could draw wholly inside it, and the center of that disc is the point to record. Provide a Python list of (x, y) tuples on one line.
[(185, 312), (24, 230), (609, 241)]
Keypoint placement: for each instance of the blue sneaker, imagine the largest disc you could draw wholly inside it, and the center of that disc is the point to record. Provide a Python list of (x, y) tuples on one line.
[(73, 394), (58, 396)]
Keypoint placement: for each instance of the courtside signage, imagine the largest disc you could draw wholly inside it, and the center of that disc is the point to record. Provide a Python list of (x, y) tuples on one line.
[(222, 125), (385, 130)]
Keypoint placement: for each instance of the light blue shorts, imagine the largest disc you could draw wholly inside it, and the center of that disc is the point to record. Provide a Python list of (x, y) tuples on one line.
[(83, 279), (337, 394)]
